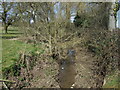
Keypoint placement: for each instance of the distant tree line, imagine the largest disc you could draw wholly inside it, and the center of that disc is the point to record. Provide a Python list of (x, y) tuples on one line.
[(86, 13)]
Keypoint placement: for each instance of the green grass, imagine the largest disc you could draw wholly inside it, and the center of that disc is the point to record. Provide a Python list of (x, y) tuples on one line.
[(12, 33), (11, 50), (10, 30), (113, 81)]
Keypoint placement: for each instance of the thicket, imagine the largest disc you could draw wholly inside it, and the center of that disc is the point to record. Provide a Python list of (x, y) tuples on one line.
[(103, 44), (56, 35)]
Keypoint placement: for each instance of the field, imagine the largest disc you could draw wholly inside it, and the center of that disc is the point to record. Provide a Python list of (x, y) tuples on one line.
[(12, 33), (11, 48)]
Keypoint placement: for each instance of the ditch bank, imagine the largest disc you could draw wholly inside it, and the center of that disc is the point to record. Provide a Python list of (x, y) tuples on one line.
[(76, 71)]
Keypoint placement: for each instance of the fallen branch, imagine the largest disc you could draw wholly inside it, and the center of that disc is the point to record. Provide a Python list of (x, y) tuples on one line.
[(2, 80), (5, 86)]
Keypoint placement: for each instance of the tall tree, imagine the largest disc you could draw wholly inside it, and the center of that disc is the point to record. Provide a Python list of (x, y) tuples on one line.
[(9, 14), (112, 20), (99, 13)]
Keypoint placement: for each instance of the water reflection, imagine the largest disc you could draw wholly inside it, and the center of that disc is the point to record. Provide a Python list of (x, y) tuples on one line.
[(67, 70)]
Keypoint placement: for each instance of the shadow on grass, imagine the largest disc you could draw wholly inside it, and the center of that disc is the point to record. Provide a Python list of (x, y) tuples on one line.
[(12, 30), (8, 37), (10, 33)]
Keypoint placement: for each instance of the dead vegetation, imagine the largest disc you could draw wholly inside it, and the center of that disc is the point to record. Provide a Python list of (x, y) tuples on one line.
[(96, 47)]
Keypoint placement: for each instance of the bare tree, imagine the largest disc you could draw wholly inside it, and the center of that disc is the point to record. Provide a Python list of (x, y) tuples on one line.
[(8, 14)]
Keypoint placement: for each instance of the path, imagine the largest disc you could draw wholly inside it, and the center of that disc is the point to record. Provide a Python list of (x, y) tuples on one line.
[(85, 77)]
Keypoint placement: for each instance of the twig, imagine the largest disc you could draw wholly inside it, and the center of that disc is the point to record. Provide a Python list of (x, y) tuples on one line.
[(2, 80), (5, 86)]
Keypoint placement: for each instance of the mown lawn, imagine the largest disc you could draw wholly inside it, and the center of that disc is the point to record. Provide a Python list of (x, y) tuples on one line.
[(13, 32), (11, 50)]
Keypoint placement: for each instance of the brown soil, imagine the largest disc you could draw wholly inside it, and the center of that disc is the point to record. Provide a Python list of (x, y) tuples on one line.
[(44, 74), (85, 76)]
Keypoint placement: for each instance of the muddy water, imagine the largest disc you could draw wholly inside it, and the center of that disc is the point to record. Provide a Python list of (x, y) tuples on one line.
[(67, 71)]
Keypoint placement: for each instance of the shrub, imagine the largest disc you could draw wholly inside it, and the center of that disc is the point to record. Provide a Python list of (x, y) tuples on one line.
[(104, 44), (13, 70)]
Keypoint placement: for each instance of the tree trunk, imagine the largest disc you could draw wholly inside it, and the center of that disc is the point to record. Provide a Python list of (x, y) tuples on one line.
[(68, 15), (112, 19), (6, 28), (118, 19)]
